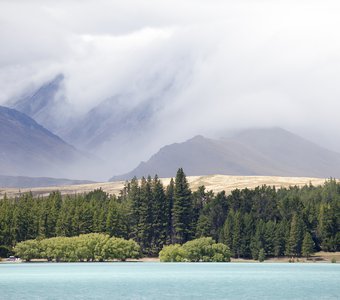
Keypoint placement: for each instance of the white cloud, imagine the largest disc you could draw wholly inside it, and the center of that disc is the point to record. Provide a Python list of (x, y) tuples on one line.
[(214, 64)]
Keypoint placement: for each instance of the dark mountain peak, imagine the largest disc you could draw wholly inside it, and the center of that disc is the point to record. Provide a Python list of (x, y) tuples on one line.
[(259, 151), (16, 120), (41, 98), (47, 104)]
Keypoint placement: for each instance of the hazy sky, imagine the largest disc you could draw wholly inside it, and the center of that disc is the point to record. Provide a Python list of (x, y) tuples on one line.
[(215, 65)]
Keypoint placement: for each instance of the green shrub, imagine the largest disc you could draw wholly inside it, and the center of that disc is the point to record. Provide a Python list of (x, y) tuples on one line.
[(120, 249), (172, 253), (333, 260), (28, 250), (202, 249), (86, 247)]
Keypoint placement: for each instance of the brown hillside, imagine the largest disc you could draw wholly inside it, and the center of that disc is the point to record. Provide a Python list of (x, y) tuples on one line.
[(216, 183)]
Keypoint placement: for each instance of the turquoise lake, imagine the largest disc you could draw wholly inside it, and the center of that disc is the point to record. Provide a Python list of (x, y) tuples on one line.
[(169, 281)]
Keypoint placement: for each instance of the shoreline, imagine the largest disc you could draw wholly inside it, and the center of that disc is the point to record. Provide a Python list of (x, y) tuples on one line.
[(319, 257)]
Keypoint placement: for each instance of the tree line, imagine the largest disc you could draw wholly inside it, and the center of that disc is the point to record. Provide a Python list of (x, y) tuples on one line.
[(268, 221)]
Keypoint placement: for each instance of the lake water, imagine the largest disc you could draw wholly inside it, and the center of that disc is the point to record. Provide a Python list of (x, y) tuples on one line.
[(169, 281)]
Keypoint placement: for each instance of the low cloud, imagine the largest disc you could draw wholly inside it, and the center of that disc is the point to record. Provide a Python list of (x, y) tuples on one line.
[(212, 65)]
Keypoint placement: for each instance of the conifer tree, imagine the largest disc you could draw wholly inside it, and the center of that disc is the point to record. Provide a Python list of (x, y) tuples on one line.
[(112, 220), (279, 238), (307, 245), (182, 209), (159, 215), (247, 233), (237, 231), (146, 216), (258, 240), (54, 201), (169, 209), (228, 230), (295, 236), (62, 224), (134, 210), (269, 237)]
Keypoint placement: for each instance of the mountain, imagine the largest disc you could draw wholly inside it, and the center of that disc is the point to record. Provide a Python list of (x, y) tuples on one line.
[(33, 182), (269, 152), (109, 128), (27, 148), (111, 120), (46, 105)]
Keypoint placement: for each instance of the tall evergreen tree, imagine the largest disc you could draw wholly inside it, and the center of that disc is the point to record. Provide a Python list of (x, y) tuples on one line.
[(228, 231), (269, 237), (279, 238), (258, 240), (134, 210), (307, 245), (237, 231), (112, 219), (295, 236), (146, 216), (182, 209), (170, 233), (160, 216), (247, 233)]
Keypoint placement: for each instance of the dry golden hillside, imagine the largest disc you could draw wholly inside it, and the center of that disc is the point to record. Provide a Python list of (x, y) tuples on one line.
[(216, 183)]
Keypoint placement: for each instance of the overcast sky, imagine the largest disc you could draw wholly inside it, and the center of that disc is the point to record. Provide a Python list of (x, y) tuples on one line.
[(219, 65)]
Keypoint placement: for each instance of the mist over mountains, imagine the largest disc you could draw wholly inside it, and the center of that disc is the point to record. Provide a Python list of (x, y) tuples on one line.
[(27, 148), (108, 130), (121, 85), (113, 132), (111, 129), (271, 151), (43, 104)]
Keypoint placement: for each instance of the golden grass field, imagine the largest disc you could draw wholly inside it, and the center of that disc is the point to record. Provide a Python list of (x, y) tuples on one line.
[(215, 183)]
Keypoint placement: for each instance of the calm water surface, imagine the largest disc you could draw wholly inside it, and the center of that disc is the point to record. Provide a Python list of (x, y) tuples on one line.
[(169, 281)]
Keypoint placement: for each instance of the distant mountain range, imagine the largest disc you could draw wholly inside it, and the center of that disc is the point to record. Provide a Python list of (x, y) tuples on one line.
[(27, 148), (113, 130), (32, 182), (109, 130), (109, 120), (272, 152)]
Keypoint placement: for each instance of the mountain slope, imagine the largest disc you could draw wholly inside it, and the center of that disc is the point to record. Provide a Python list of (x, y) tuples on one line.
[(111, 120), (108, 121), (46, 105), (271, 152), (27, 148)]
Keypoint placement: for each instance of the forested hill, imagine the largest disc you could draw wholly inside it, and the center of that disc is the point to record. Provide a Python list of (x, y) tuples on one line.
[(268, 152), (289, 221)]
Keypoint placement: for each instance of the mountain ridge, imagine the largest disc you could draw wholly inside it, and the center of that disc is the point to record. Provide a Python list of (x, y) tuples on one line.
[(263, 152), (29, 149)]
